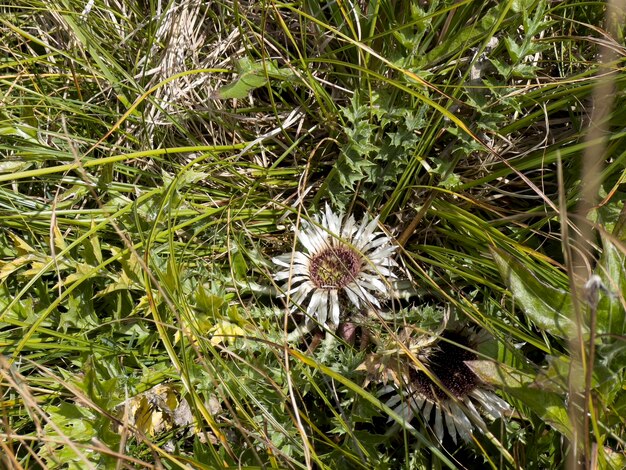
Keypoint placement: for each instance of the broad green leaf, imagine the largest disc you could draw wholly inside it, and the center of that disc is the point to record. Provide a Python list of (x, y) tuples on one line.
[(13, 166), (131, 267), (555, 376), (74, 421), (611, 269), (614, 354), (548, 307), (548, 405), (80, 312), (499, 375), (519, 6), (239, 265), (469, 37), (120, 282), (451, 181), (559, 377), (24, 131), (613, 460), (190, 177), (171, 277), (251, 75), (92, 250)]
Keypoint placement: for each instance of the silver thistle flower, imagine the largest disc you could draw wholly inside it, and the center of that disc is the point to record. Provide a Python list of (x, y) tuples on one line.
[(338, 257), (459, 399)]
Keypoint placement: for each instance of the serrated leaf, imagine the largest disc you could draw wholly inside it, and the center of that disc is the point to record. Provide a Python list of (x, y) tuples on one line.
[(351, 169), (519, 6), (503, 68), (516, 51), (191, 176), (524, 71), (130, 265), (451, 181), (548, 307), (120, 282)]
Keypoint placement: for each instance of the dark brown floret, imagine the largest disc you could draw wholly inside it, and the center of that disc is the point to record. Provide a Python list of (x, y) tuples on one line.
[(447, 363)]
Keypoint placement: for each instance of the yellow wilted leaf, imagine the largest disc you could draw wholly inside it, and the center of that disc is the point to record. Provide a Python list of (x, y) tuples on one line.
[(8, 268), (163, 409), (20, 245), (225, 331), (152, 412), (58, 238), (94, 243), (38, 266), (202, 325)]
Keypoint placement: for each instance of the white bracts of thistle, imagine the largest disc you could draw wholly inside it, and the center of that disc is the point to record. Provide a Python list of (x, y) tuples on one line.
[(337, 258), (458, 402)]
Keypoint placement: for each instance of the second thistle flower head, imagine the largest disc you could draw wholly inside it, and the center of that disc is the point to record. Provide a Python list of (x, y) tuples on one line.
[(338, 258)]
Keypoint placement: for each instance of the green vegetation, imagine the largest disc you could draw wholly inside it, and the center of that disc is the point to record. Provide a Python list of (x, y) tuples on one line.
[(156, 157)]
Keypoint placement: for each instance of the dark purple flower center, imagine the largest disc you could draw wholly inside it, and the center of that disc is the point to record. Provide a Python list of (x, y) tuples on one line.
[(334, 267), (447, 363)]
